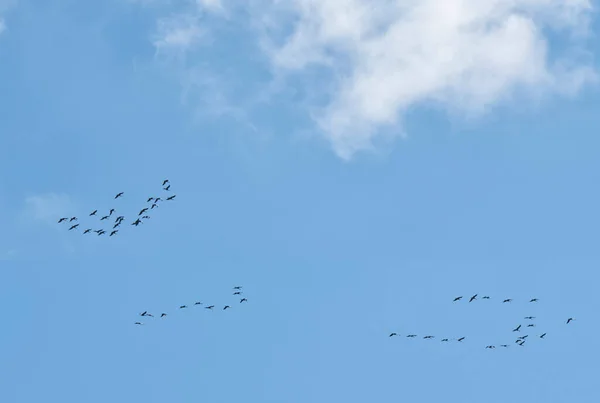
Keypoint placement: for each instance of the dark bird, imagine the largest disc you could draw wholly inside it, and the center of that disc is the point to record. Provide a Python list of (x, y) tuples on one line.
[(157, 200), (517, 329), (569, 320), (473, 298), (167, 188), (457, 299), (210, 307), (237, 293), (104, 218), (520, 342), (486, 297), (163, 315), (119, 195), (73, 227), (239, 287), (136, 222), (183, 306), (243, 300), (87, 231), (534, 300), (93, 212), (226, 306), (504, 345), (98, 231), (461, 339), (171, 197), (149, 199), (142, 211), (146, 217), (63, 219), (530, 317), (116, 225), (153, 205), (112, 210), (165, 182), (490, 347), (144, 313), (101, 232), (120, 218), (428, 337), (393, 334), (412, 335), (531, 325), (138, 323), (542, 335), (507, 300), (73, 219), (444, 339), (114, 232), (150, 315), (198, 303)]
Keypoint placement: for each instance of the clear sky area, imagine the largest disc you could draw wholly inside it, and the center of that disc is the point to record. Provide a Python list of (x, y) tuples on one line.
[(354, 166)]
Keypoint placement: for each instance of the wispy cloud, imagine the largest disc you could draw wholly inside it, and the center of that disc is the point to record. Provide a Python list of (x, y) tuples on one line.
[(48, 208), (382, 58)]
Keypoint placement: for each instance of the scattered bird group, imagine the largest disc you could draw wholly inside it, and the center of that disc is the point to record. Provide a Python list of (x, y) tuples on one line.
[(153, 202), (237, 291), (519, 340)]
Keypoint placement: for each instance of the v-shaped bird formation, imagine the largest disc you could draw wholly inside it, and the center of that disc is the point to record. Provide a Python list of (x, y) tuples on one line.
[(109, 221), (237, 292), (518, 334)]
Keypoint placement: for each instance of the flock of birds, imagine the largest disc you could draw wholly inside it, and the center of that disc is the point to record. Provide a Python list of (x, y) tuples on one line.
[(151, 204), (520, 340), (237, 291)]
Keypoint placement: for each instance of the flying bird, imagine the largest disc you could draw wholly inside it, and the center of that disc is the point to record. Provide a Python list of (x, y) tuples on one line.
[(542, 335), (569, 320), (198, 303), (486, 297), (136, 222), (165, 182), (104, 218), (87, 231), (153, 205), (157, 200), (171, 197), (163, 315), (504, 345), (149, 199), (73, 219), (473, 298), (114, 232), (461, 339), (457, 299), (237, 293), (116, 225), (93, 212), (146, 217), (412, 335), (183, 306), (119, 195), (237, 287), (226, 306), (142, 211), (490, 347), (243, 300), (63, 219), (167, 188), (444, 339), (393, 334), (534, 300), (507, 300), (428, 337), (138, 323), (112, 210), (210, 307), (531, 325), (517, 329), (101, 232), (73, 227), (530, 317)]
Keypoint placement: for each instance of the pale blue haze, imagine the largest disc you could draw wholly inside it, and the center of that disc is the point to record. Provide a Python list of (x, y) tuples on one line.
[(333, 255)]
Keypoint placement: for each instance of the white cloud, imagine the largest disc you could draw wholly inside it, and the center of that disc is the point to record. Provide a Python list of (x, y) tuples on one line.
[(48, 207), (177, 34), (388, 56)]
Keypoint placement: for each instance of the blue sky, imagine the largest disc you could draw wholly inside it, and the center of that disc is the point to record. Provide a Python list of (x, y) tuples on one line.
[(355, 169)]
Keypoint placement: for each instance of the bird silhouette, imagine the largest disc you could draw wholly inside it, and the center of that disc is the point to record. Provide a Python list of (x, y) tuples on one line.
[(87, 231), (101, 232), (428, 337), (136, 222), (112, 210), (542, 335), (144, 313), (142, 211), (237, 293), (73, 227), (457, 299), (114, 232), (486, 297), (570, 320), (163, 315), (461, 339), (393, 334), (411, 336), (138, 323), (198, 303), (149, 199), (119, 195), (517, 329), (63, 219), (104, 218), (165, 182), (491, 347), (171, 197), (239, 287), (146, 217), (243, 300), (473, 298), (534, 300), (93, 212), (444, 339), (507, 300), (504, 345), (116, 225), (530, 317), (209, 307), (73, 219), (153, 205), (226, 307), (167, 188), (531, 325), (157, 200), (183, 306)]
